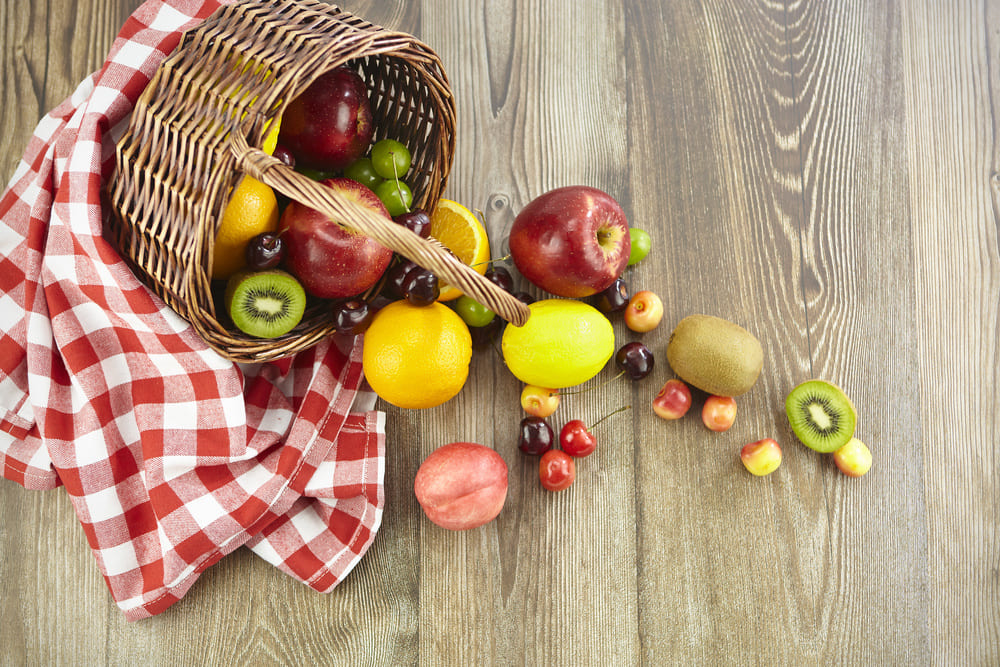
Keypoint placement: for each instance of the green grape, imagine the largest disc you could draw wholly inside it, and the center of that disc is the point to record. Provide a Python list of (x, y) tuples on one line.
[(396, 196), (641, 242), (362, 171), (474, 313), (390, 158)]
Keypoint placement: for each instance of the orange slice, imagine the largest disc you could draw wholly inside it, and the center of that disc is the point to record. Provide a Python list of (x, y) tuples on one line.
[(461, 232)]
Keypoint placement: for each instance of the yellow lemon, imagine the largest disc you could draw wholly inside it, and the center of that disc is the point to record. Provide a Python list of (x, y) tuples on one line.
[(565, 342), (252, 210), (416, 356), (461, 232), (273, 128)]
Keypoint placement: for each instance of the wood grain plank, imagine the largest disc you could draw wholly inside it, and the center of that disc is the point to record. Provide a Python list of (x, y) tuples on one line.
[(860, 305), (712, 93), (534, 113), (950, 68), (55, 603), (785, 212)]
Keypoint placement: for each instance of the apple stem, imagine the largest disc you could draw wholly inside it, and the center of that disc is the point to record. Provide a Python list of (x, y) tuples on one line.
[(614, 412)]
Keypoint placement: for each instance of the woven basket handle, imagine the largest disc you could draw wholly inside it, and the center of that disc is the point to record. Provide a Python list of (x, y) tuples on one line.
[(428, 253)]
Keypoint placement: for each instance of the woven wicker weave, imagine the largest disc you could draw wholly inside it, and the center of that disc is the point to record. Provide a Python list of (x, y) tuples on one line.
[(197, 128)]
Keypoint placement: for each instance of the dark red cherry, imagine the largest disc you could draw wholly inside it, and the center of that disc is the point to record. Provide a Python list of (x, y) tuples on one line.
[(264, 251), (635, 360), (536, 436)]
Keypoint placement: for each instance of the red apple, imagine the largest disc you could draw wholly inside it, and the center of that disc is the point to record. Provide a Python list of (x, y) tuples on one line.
[(461, 485), (330, 260), (673, 400), (854, 459), (571, 241), (329, 125), (762, 457)]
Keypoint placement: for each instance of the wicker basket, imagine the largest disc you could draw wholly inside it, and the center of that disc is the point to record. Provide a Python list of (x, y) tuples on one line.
[(196, 130)]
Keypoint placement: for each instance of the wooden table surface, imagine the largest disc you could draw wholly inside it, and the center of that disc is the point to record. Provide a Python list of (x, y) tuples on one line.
[(825, 174)]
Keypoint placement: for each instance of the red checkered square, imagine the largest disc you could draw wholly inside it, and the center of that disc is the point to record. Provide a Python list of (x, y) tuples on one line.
[(172, 456)]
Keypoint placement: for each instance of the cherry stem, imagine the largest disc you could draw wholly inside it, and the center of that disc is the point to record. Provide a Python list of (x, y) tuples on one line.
[(399, 190), (596, 386), (491, 261), (621, 409)]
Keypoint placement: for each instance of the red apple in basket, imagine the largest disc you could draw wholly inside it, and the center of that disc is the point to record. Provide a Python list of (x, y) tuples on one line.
[(571, 241), (330, 260), (329, 125)]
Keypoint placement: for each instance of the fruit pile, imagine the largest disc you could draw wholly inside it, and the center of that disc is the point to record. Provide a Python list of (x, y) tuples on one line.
[(276, 254), (572, 244)]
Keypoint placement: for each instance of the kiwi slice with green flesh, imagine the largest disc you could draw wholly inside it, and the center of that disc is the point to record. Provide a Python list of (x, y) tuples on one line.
[(265, 304), (821, 415)]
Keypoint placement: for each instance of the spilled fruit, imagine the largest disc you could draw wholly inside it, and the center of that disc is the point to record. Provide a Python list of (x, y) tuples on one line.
[(821, 415), (564, 343), (715, 355), (461, 485)]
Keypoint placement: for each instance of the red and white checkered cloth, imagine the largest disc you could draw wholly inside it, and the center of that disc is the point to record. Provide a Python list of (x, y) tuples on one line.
[(172, 456)]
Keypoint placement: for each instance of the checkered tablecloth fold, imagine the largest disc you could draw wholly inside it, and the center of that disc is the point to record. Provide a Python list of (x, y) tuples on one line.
[(171, 455)]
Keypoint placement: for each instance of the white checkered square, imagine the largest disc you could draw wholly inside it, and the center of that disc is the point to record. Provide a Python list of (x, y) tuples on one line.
[(133, 52), (254, 479), (180, 416), (206, 510), (103, 505), (90, 448), (10, 313), (119, 559), (308, 524), (84, 154)]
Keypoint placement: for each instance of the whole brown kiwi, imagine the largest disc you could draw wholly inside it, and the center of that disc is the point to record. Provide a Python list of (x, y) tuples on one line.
[(715, 355)]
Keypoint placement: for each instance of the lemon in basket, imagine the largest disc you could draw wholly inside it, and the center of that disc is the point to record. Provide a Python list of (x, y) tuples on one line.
[(252, 210), (461, 232), (416, 356)]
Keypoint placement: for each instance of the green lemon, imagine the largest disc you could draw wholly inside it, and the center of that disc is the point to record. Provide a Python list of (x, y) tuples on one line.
[(565, 342)]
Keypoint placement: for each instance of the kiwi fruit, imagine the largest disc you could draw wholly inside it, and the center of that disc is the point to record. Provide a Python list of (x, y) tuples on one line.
[(265, 304), (821, 415), (715, 355)]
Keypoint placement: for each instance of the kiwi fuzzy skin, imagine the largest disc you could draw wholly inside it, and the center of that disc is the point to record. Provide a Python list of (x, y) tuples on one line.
[(715, 355), (833, 400)]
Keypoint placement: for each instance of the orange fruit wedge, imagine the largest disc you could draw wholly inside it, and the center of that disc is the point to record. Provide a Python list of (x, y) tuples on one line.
[(461, 232)]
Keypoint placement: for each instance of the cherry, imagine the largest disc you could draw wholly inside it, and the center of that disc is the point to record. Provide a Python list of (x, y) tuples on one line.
[(556, 470), (635, 360), (421, 287), (265, 251), (500, 277), (352, 316), (416, 220), (524, 298), (577, 440), (536, 436), (483, 336), (395, 277), (539, 401), (286, 156), (614, 298), (719, 413)]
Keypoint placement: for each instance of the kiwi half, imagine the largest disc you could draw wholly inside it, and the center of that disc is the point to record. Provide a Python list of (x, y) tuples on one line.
[(821, 415), (265, 304)]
